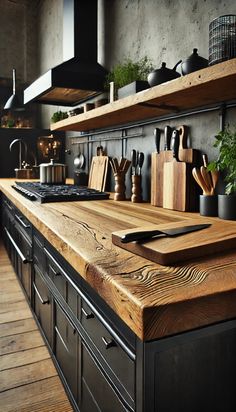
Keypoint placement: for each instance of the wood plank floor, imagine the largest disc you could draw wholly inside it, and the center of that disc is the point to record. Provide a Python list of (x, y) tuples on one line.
[(28, 379)]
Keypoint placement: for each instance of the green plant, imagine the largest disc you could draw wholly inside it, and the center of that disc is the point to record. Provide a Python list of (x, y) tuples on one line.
[(58, 116), (129, 71), (226, 161)]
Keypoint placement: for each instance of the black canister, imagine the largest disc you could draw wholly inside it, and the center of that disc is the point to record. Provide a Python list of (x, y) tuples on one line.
[(208, 205)]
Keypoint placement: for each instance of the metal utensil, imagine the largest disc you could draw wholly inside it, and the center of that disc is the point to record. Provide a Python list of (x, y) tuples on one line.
[(150, 234)]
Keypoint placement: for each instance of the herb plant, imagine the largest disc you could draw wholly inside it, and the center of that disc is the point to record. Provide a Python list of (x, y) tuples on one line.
[(129, 71), (58, 116), (226, 161)]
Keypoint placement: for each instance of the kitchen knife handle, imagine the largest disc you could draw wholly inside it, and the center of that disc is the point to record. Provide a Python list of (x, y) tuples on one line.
[(145, 234), (167, 137), (175, 144), (157, 136), (183, 137)]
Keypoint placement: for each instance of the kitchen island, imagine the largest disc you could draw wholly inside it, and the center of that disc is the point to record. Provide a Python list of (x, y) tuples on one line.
[(176, 324)]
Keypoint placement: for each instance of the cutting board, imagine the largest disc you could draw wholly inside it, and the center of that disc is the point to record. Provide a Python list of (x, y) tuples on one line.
[(98, 172), (219, 237), (185, 154), (177, 181), (157, 164)]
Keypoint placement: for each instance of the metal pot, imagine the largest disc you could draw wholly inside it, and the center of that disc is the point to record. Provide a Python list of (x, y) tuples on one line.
[(163, 74), (193, 63), (52, 173)]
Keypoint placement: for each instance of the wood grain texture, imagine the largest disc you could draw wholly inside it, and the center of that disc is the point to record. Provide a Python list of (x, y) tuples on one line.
[(166, 250), (157, 165), (98, 172), (144, 294), (28, 379), (211, 85)]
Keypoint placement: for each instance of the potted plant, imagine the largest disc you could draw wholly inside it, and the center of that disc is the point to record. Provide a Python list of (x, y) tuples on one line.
[(226, 163), (57, 116), (130, 76)]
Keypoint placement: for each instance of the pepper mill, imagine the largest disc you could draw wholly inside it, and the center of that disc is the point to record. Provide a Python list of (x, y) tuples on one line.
[(119, 186), (136, 189)]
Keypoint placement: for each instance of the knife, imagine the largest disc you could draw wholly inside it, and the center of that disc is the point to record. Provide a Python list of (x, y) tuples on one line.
[(150, 234), (157, 136), (167, 137), (174, 144)]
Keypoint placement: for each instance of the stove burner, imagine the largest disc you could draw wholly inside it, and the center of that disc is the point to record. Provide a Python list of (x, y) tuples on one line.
[(45, 193)]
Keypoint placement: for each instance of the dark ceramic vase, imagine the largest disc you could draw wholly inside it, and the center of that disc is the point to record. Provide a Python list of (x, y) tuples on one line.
[(208, 205), (227, 207)]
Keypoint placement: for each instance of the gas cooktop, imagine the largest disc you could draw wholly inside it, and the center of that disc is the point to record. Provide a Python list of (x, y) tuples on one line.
[(45, 193)]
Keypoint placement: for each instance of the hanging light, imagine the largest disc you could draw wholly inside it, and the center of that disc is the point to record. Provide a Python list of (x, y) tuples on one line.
[(13, 103)]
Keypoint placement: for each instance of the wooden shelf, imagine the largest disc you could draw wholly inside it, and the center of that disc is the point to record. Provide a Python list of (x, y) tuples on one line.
[(208, 86)]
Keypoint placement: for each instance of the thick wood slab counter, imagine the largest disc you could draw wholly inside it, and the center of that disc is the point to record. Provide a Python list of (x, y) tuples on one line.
[(153, 300)]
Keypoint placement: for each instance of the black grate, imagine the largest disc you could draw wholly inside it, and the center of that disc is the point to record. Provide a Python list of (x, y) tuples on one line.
[(46, 193), (222, 39)]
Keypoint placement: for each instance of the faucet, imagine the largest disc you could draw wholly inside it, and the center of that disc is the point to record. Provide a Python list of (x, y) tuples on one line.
[(21, 145)]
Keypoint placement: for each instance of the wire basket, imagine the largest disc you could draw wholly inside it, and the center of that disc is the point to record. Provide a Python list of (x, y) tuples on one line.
[(222, 39)]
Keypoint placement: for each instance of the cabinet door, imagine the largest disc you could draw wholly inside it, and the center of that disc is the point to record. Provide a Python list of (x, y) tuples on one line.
[(43, 304), (65, 348)]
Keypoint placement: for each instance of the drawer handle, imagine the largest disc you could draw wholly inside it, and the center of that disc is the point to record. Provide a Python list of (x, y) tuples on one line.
[(19, 218), (87, 315), (18, 251), (39, 296), (54, 271), (61, 339), (109, 343), (8, 205)]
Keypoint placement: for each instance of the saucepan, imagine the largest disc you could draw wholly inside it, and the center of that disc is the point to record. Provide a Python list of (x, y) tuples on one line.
[(52, 173)]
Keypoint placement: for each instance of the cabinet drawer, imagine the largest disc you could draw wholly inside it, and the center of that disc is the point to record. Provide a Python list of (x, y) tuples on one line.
[(43, 304), (117, 359), (23, 224), (66, 347), (97, 394), (39, 257), (60, 279)]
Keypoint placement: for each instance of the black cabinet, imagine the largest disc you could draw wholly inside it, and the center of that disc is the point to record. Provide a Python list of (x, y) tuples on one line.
[(94, 360)]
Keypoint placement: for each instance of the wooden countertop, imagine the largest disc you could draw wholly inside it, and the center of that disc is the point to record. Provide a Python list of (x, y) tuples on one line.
[(153, 300)]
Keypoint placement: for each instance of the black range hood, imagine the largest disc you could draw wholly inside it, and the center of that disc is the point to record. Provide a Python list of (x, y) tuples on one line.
[(80, 76)]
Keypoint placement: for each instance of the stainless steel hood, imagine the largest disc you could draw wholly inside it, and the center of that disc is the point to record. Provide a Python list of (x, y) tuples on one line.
[(80, 76)]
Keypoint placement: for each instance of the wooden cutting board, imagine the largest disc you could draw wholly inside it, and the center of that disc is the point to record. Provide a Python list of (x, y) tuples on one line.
[(157, 164), (185, 154), (176, 185), (98, 172), (220, 236)]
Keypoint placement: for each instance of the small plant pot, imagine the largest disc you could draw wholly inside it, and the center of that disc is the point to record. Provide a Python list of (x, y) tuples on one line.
[(132, 88), (227, 207), (208, 205)]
